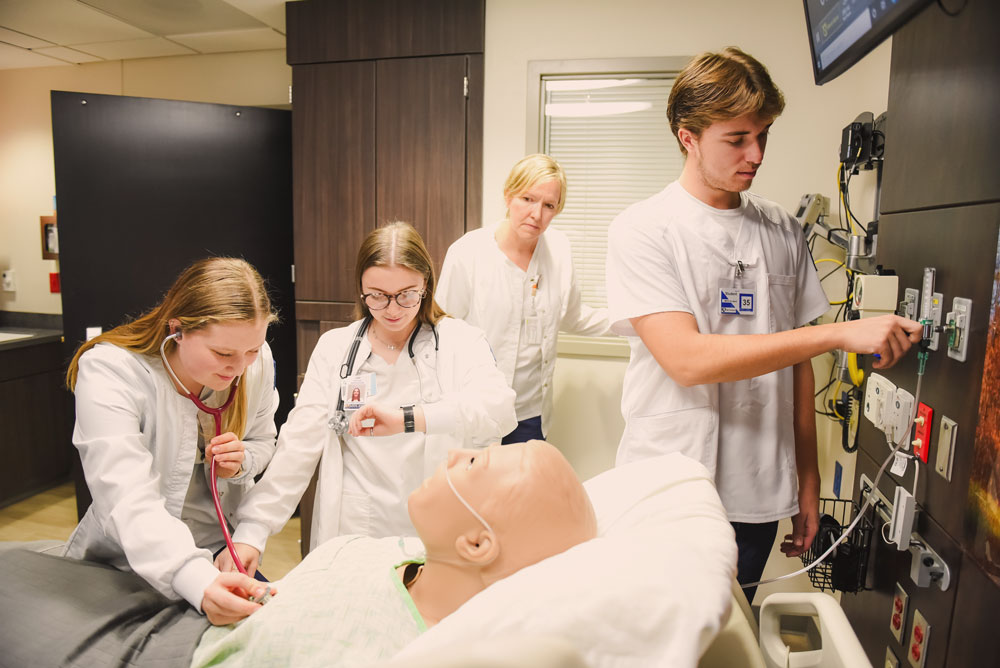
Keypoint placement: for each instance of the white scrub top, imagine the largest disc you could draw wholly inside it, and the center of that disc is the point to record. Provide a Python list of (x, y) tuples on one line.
[(673, 252)]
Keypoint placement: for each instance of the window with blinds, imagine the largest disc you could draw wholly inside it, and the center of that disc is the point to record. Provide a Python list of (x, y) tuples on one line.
[(611, 136)]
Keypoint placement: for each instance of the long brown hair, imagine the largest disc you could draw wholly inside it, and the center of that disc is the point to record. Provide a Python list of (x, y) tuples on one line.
[(212, 290), (398, 244)]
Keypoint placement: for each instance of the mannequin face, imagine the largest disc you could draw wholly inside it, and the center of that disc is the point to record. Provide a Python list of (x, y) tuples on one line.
[(215, 355), (528, 493), (392, 280), (477, 475)]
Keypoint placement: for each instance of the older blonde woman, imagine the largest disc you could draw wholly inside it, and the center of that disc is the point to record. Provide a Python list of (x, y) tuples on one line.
[(515, 281)]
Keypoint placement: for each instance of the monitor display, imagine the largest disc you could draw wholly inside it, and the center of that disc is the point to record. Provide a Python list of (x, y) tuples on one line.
[(841, 32)]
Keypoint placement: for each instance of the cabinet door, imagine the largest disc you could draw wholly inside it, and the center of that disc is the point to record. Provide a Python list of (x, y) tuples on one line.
[(421, 175), (333, 163)]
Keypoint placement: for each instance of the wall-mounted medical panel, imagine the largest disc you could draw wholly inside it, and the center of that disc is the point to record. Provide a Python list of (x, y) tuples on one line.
[(961, 243), (942, 139), (870, 610)]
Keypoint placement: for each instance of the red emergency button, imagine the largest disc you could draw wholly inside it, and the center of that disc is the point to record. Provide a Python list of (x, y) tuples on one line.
[(897, 621), (918, 633), (915, 652), (898, 604)]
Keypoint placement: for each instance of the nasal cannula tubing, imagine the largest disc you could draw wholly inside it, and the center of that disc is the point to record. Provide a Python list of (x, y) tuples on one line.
[(216, 414), (868, 501)]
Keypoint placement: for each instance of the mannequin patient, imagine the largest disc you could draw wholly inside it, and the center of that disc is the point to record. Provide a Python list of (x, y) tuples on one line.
[(483, 515)]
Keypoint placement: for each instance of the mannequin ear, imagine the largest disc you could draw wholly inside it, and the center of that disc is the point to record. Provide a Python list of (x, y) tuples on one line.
[(481, 549), (688, 139)]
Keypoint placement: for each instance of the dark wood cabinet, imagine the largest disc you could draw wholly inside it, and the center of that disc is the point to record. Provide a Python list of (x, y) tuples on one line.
[(386, 125), (333, 175), (34, 413)]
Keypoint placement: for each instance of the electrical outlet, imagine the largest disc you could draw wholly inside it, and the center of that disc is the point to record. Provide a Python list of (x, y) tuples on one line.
[(920, 636), (9, 281), (922, 431), (897, 617)]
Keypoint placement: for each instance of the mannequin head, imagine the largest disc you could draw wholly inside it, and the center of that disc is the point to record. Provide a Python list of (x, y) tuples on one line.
[(528, 494)]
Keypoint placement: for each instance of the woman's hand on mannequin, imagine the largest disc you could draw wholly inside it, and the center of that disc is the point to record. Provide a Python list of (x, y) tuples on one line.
[(249, 557), (226, 600), (228, 453)]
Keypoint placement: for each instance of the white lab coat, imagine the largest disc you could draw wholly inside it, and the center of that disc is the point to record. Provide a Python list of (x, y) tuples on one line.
[(138, 440), (469, 405), (476, 286), (673, 252)]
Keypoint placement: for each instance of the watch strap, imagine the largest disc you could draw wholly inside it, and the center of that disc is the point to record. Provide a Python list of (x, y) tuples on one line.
[(408, 424)]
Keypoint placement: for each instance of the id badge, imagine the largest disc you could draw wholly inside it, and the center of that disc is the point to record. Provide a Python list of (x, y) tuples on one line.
[(356, 390), (533, 330), (737, 301)]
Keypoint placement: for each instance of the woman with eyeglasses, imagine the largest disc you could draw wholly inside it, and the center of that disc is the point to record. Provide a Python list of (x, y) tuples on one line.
[(428, 383)]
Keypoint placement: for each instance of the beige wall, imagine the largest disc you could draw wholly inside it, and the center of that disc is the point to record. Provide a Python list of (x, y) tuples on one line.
[(27, 180), (801, 156)]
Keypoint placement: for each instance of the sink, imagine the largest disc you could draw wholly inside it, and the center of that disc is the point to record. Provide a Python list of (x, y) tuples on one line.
[(13, 336)]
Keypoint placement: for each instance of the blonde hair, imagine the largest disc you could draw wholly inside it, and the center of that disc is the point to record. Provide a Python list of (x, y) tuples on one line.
[(719, 87), (398, 244), (531, 170), (210, 291)]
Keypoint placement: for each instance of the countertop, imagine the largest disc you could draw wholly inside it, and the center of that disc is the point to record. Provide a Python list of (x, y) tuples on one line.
[(37, 336)]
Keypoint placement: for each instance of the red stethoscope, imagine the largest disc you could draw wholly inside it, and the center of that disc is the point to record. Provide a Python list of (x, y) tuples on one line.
[(216, 414)]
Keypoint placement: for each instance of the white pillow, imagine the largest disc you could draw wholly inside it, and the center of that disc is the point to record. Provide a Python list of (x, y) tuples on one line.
[(653, 588)]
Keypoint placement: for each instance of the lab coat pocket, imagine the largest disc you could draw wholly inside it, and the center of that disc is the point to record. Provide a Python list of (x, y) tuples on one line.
[(690, 431), (781, 294), (355, 514)]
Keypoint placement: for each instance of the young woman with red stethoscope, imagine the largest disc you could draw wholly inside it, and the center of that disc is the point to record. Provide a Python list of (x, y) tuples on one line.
[(172, 409)]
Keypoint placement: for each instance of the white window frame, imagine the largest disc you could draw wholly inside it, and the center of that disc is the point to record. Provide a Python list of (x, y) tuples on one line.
[(609, 346)]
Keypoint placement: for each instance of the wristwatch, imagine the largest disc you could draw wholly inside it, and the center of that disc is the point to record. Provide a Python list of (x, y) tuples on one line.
[(408, 424)]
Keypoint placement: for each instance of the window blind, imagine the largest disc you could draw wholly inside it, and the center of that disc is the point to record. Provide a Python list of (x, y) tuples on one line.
[(611, 136)]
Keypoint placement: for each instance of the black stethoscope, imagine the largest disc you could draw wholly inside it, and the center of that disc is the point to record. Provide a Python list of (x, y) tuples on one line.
[(340, 421), (216, 414)]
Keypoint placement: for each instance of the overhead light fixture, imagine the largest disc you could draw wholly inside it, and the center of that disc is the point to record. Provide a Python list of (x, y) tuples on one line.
[(566, 109), (587, 84)]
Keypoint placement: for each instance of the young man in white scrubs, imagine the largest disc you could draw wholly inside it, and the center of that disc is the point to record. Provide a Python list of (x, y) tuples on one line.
[(713, 286)]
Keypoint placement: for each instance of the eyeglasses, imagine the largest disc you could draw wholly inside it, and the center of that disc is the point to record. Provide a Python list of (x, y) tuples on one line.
[(377, 301)]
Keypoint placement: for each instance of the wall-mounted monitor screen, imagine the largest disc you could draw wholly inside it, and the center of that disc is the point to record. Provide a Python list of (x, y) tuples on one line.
[(842, 32)]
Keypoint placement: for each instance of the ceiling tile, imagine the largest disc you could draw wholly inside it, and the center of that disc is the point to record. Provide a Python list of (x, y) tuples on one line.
[(177, 17), (64, 22), (19, 39), (67, 54), (259, 39), (271, 12), (135, 48), (12, 58)]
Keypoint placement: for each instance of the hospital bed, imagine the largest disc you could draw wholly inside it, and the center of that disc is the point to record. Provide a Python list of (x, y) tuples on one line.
[(655, 588)]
